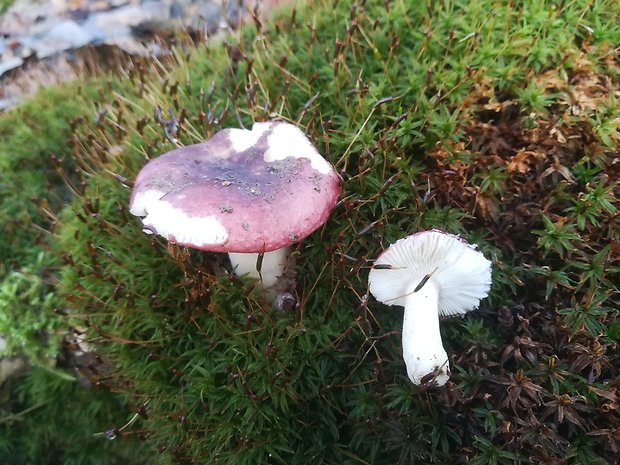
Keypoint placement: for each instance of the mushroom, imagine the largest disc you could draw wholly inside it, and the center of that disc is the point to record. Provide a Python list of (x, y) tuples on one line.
[(431, 274), (251, 193)]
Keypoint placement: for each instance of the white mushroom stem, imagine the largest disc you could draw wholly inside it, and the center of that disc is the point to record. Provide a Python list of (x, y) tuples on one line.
[(271, 268), (422, 348)]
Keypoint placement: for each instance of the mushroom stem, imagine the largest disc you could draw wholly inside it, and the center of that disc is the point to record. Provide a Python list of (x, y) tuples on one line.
[(422, 348), (271, 268)]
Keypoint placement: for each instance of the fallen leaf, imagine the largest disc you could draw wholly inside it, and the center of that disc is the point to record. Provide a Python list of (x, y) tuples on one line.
[(522, 161)]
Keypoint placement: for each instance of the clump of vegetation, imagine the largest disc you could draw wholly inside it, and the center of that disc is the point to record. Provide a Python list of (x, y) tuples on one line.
[(501, 128), (33, 138), (27, 314), (4, 5), (29, 137), (47, 416)]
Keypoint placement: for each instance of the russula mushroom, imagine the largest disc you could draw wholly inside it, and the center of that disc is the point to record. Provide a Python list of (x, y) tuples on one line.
[(251, 193), (431, 274)]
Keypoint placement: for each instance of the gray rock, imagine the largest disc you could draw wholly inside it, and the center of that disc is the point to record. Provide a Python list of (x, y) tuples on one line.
[(34, 30), (7, 65), (204, 16), (23, 15), (127, 16), (104, 31), (65, 35), (6, 104)]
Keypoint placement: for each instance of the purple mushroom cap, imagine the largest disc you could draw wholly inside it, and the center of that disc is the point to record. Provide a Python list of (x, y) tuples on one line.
[(242, 190)]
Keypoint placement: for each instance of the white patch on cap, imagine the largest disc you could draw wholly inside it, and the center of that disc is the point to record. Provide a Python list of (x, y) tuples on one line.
[(243, 139), (143, 199), (287, 140), (174, 224)]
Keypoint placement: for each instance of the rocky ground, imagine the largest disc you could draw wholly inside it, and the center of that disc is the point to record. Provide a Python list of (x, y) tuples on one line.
[(43, 43)]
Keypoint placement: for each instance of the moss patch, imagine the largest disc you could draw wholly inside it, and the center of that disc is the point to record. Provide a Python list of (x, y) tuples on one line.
[(500, 127)]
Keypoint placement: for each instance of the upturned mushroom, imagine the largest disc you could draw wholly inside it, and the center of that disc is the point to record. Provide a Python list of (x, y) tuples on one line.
[(430, 274), (251, 193)]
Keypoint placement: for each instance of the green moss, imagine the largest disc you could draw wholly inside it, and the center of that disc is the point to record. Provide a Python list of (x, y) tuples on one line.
[(27, 320), (487, 125), (4, 5), (47, 418), (29, 136)]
